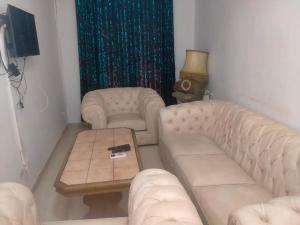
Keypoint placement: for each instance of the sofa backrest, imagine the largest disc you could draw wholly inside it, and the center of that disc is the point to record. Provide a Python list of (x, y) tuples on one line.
[(120, 100), (267, 150), (194, 117)]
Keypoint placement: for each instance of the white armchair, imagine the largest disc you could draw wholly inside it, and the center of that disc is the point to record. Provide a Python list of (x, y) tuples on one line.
[(135, 108)]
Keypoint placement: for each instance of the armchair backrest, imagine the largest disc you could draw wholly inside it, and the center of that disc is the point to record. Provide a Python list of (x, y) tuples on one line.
[(17, 205), (120, 100)]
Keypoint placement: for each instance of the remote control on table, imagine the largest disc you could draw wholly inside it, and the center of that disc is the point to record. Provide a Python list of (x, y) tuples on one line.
[(118, 155), (120, 148), (119, 151)]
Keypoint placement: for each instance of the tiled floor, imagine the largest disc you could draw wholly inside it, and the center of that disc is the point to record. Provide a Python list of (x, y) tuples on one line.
[(53, 206)]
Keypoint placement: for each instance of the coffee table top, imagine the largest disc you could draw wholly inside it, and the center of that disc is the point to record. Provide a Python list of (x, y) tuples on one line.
[(88, 168)]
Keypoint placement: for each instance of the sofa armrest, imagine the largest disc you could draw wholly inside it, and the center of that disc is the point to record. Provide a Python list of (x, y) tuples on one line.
[(93, 110), (17, 205), (285, 210), (157, 197), (150, 103)]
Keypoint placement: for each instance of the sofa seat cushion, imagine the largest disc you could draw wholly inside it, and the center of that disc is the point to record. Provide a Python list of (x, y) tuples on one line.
[(191, 144), (107, 221), (219, 201), (207, 170), (129, 120)]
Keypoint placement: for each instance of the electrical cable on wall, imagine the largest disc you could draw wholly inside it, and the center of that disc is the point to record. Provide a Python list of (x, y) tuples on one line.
[(16, 77)]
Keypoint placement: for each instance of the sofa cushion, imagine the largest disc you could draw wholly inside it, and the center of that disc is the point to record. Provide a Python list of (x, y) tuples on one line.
[(219, 201), (191, 144), (107, 221), (129, 120), (211, 170)]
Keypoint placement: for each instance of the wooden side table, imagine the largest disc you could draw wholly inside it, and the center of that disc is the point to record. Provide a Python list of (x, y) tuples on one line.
[(184, 97)]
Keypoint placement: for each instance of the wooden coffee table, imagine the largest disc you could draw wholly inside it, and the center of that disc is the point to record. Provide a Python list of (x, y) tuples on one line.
[(88, 169)]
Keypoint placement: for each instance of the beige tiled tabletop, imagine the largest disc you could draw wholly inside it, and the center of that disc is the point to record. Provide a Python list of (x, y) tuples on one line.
[(89, 161)]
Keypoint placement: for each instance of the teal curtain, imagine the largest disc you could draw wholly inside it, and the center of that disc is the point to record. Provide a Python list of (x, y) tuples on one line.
[(126, 43)]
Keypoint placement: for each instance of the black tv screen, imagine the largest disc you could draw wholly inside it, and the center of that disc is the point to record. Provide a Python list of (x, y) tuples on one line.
[(22, 38)]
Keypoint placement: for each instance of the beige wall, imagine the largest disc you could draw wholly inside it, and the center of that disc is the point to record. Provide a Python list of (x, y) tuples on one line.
[(254, 53)]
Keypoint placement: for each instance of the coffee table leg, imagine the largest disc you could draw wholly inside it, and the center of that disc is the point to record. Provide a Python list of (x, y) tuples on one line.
[(106, 205)]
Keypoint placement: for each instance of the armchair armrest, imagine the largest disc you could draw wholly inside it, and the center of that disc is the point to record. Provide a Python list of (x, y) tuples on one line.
[(157, 197), (285, 210), (150, 104), (17, 205), (93, 110)]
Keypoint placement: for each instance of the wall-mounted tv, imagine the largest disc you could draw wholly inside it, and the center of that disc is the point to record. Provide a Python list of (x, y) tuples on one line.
[(21, 38)]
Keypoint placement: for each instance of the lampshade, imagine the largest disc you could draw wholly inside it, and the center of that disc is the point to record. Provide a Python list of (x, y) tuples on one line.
[(195, 65)]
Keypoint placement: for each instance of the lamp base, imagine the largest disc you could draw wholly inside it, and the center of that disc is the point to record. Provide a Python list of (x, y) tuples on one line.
[(184, 97), (194, 76)]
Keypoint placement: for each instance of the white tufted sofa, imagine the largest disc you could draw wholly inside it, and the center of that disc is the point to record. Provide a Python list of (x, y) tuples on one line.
[(135, 108), (231, 161), (156, 198)]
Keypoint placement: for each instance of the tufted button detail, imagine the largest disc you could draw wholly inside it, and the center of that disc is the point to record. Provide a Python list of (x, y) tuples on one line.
[(264, 218), (183, 119), (296, 209), (170, 121)]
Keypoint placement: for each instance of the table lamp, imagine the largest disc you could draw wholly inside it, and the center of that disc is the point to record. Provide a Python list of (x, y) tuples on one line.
[(193, 77), (195, 66)]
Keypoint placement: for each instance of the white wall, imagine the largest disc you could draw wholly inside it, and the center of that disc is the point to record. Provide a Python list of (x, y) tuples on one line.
[(10, 161), (184, 30), (68, 42), (42, 121), (254, 53)]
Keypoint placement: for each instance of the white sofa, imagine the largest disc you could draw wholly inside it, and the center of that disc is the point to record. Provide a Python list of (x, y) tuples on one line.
[(156, 198), (231, 160), (135, 108)]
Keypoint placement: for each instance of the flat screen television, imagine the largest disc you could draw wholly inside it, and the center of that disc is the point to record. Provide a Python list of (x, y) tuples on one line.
[(21, 38)]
